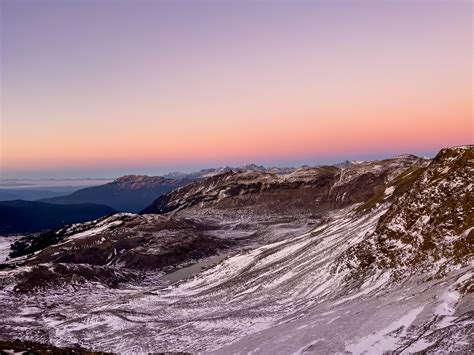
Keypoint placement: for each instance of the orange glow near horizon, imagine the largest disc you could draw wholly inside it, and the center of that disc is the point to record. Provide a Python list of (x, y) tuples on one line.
[(228, 86), (331, 137)]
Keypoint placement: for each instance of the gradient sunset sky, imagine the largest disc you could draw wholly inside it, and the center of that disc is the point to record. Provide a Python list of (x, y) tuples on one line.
[(105, 88)]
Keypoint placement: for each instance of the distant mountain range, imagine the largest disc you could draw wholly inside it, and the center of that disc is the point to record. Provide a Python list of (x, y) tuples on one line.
[(134, 193), (205, 173), (130, 193), (32, 216), (27, 194)]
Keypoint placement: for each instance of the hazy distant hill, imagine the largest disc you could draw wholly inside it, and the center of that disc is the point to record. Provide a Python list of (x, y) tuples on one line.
[(8, 195), (27, 194), (31, 216), (130, 193)]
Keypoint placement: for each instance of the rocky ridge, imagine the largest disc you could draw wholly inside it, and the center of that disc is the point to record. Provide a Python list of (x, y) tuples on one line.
[(308, 189)]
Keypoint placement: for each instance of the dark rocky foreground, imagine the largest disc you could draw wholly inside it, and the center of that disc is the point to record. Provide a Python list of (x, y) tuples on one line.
[(114, 250), (30, 347)]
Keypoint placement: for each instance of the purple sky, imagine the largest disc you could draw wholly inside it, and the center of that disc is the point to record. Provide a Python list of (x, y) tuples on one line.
[(104, 88)]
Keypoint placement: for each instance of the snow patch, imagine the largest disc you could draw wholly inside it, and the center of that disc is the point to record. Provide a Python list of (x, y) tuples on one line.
[(389, 191), (383, 340)]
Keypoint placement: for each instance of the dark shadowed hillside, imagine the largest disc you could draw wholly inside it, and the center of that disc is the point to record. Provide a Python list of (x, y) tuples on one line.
[(31, 216)]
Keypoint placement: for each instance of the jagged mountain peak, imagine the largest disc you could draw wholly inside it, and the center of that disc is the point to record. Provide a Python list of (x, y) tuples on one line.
[(138, 180), (209, 172), (406, 156), (349, 163), (253, 167)]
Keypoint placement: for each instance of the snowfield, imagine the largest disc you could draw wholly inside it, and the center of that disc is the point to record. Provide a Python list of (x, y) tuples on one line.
[(254, 301), (5, 243)]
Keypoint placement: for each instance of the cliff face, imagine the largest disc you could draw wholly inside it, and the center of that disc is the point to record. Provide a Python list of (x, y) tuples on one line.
[(429, 227)]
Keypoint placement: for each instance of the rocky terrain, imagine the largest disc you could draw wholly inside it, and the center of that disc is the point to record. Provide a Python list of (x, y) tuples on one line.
[(431, 226), (305, 190), (365, 257), (206, 173)]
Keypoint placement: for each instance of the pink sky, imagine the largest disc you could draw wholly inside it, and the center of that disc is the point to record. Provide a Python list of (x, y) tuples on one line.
[(87, 86)]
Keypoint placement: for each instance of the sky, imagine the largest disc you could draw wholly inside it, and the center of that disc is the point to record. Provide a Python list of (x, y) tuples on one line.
[(104, 88)]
